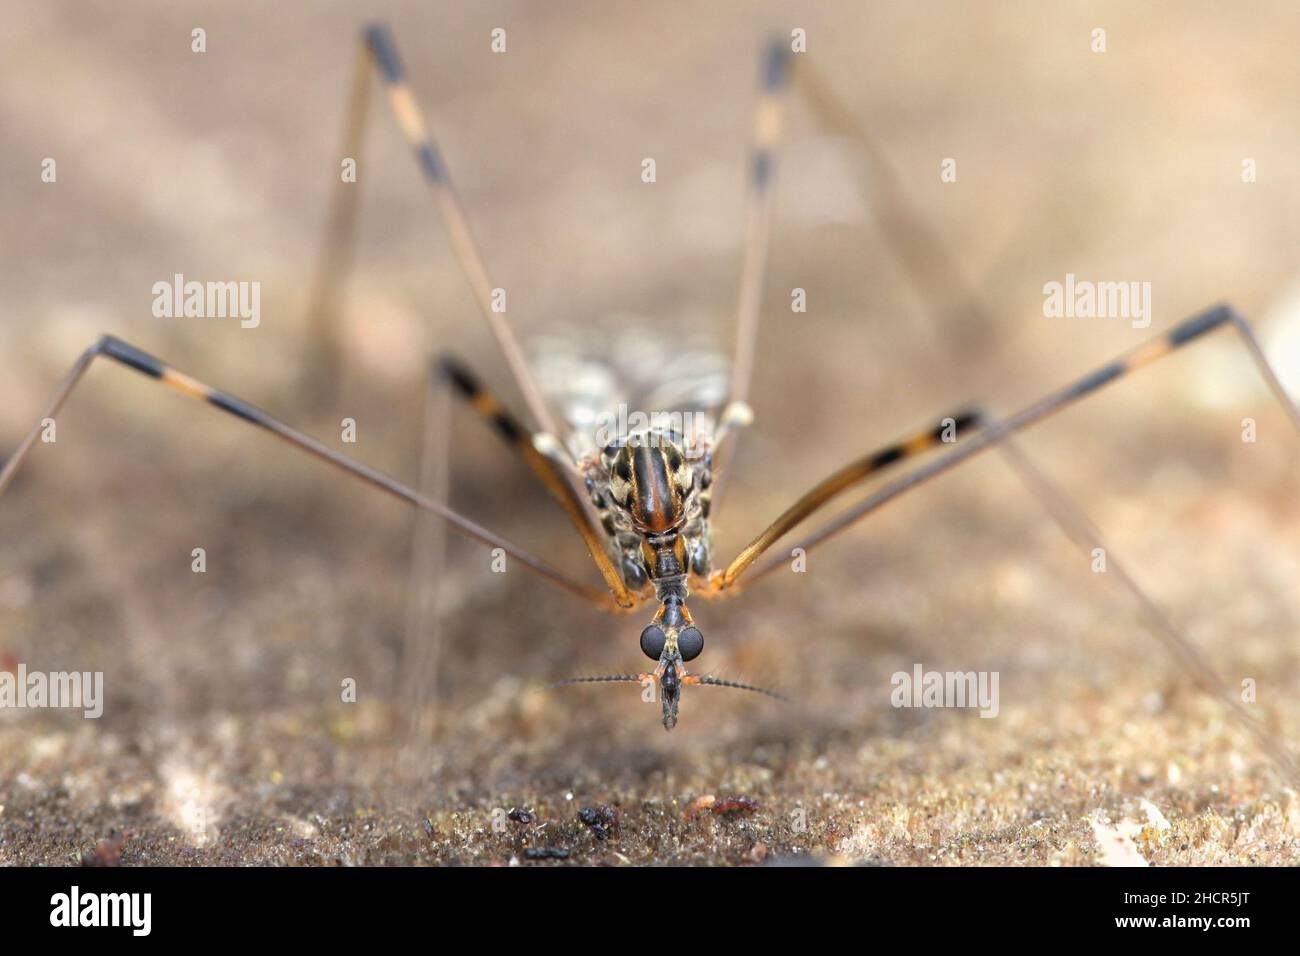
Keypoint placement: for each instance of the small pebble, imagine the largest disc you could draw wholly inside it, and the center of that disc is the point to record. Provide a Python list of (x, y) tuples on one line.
[(734, 805), (601, 820), (107, 852), (546, 853)]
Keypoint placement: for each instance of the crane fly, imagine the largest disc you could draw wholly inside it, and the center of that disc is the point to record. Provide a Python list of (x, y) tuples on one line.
[(642, 496)]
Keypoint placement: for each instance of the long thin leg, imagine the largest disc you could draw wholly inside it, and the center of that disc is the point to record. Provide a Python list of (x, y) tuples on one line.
[(422, 652), (1187, 331), (933, 271), (851, 476), (132, 357), (546, 470), (920, 250), (379, 41), (1084, 534), (1072, 519), (769, 118), (323, 366)]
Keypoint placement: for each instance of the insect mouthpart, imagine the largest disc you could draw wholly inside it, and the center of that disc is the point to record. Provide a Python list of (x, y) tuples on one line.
[(670, 693)]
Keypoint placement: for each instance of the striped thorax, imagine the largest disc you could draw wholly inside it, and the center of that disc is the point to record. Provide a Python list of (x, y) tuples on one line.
[(651, 489)]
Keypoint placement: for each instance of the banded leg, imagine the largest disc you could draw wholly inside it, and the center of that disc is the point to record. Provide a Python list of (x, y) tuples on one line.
[(850, 476), (383, 51), (547, 471), (134, 358), (769, 119), (933, 271), (1188, 331)]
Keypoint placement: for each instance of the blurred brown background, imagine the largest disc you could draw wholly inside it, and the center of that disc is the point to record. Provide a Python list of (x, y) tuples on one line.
[(224, 739)]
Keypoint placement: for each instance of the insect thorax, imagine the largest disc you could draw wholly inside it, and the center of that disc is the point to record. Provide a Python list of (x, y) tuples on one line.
[(651, 489), (612, 388)]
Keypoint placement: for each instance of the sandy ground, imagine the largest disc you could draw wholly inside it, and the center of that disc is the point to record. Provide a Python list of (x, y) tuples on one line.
[(224, 738)]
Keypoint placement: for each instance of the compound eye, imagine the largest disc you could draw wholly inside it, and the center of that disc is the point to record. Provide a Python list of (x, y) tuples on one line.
[(652, 641), (690, 643)]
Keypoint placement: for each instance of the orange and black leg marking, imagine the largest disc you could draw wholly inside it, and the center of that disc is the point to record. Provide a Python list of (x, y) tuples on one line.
[(142, 362), (760, 194), (383, 52), (1189, 331), (934, 272), (848, 477), (468, 387)]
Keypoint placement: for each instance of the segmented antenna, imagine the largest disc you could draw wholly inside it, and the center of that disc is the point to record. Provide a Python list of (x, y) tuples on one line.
[(624, 678), (691, 679), (719, 682)]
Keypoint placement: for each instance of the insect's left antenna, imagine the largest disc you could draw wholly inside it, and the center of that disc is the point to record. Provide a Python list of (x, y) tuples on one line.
[(706, 681)]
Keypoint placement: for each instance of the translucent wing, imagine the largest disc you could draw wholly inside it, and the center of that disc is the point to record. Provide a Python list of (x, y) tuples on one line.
[(597, 377)]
